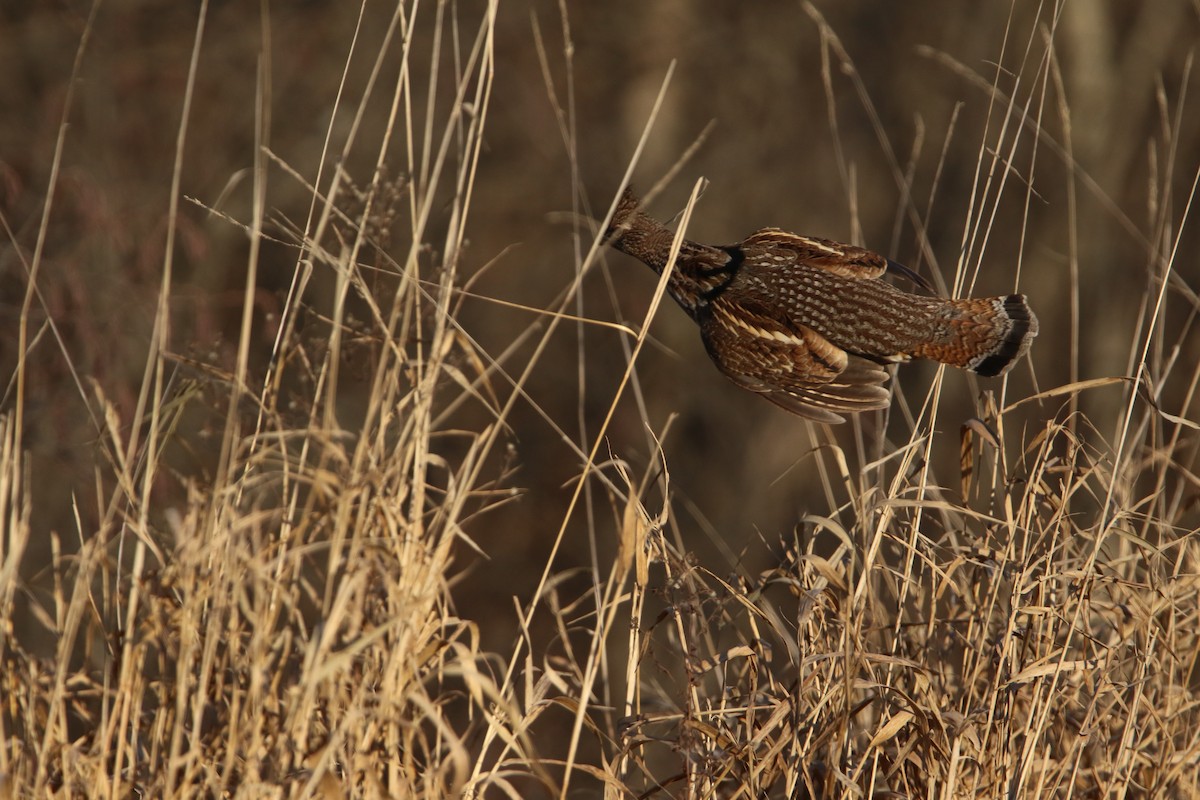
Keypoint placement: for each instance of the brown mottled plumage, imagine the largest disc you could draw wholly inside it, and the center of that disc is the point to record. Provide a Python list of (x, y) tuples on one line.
[(808, 323)]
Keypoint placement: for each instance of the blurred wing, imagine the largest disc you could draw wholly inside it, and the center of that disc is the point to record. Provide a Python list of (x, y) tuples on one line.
[(845, 260), (791, 365), (896, 268)]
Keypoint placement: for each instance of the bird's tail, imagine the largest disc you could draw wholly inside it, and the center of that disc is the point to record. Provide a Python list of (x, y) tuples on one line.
[(986, 335)]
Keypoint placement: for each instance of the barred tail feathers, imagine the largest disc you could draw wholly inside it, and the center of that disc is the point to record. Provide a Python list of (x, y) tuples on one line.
[(986, 335)]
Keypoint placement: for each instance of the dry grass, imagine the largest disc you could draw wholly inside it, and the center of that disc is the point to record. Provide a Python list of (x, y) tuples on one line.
[(283, 620)]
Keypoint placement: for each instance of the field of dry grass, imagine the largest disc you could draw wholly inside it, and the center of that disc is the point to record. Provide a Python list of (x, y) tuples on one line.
[(339, 459)]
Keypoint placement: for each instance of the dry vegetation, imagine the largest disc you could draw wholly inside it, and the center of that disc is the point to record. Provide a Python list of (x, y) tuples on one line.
[(310, 486)]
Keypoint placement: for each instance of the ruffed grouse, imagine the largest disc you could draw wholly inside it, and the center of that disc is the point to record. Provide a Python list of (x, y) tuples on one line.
[(808, 323)]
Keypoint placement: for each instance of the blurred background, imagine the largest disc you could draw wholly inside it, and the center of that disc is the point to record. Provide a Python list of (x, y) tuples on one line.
[(837, 118)]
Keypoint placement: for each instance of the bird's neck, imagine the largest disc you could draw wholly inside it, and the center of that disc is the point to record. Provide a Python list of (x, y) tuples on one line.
[(701, 271), (642, 237)]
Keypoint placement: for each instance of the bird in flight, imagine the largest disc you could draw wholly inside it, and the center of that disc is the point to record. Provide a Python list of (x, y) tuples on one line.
[(809, 324)]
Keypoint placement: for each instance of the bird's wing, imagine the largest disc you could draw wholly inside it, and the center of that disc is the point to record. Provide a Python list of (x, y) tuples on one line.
[(845, 260), (791, 365)]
